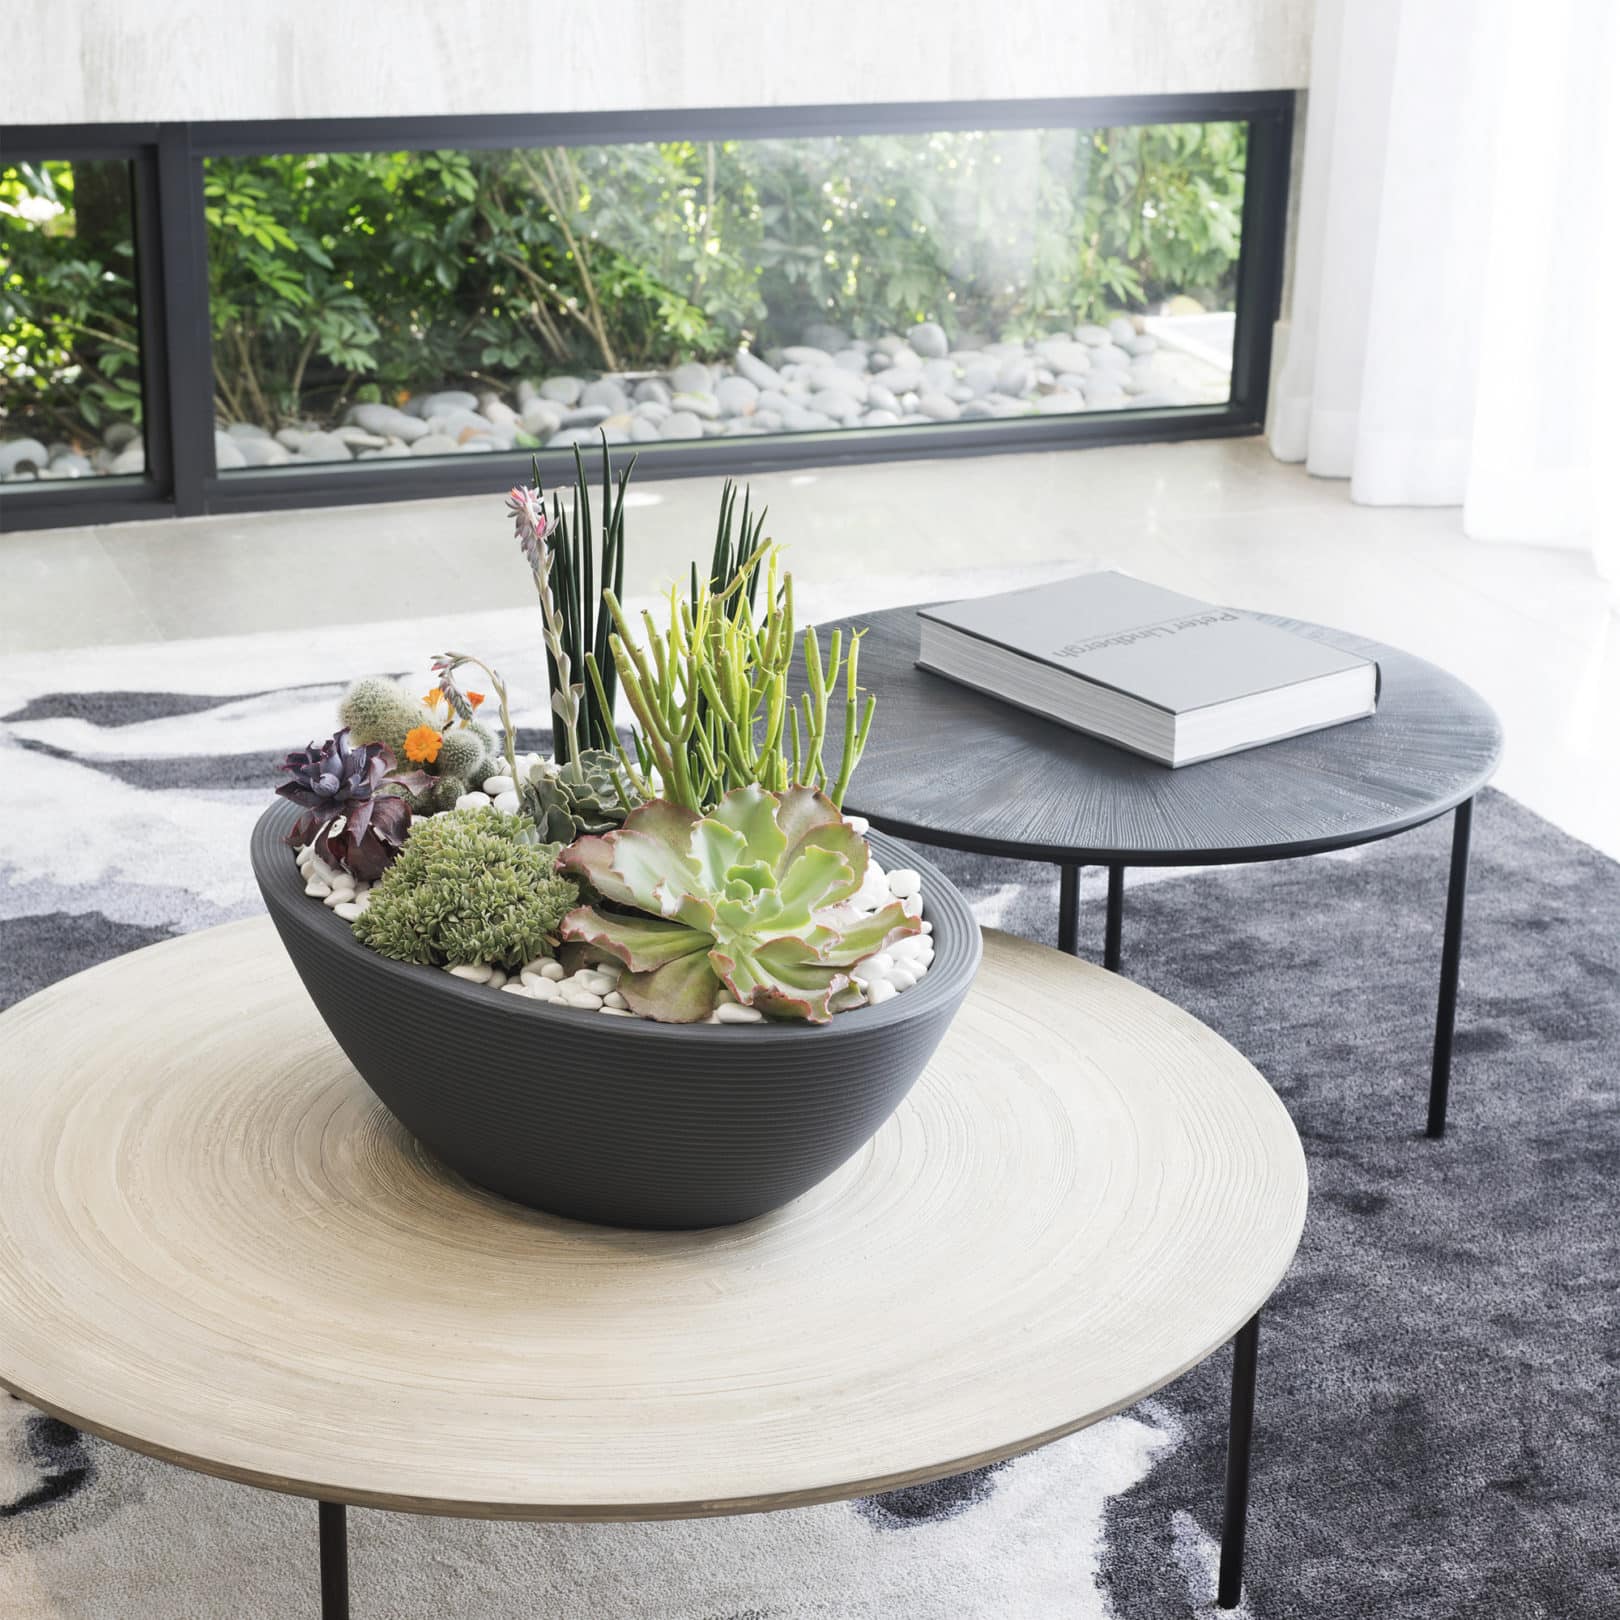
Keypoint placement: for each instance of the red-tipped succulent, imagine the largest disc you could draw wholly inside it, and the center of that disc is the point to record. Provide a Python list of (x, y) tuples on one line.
[(353, 820)]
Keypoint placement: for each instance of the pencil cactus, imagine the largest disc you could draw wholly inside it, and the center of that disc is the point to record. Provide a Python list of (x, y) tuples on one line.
[(753, 897)]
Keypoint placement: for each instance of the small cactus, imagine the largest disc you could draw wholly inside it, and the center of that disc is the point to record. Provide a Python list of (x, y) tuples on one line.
[(377, 709)]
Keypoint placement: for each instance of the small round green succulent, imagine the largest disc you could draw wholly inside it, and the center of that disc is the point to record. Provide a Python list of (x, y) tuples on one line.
[(466, 888), (569, 801)]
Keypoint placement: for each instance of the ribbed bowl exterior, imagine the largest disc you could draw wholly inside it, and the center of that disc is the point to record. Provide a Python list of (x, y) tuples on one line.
[(620, 1121)]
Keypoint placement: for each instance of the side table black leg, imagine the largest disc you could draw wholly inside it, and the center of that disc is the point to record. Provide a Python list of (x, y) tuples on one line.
[(334, 1561), (1445, 1022), (1069, 909), (1115, 924), (1234, 1521)]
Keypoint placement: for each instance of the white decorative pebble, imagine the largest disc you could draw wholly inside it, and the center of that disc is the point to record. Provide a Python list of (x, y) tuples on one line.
[(597, 983), (904, 883), (927, 926), (616, 1012), (551, 968), (495, 786), (496, 979), (327, 874), (317, 888), (534, 966), (348, 911), (859, 823), (339, 897), (911, 904), (472, 801), (614, 1002), (363, 903), (733, 1012), (515, 987), (722, 996), (902, 978), (509, 804), (472, 972), (541, 989), (581, 998), (878, 965), (879, 991)]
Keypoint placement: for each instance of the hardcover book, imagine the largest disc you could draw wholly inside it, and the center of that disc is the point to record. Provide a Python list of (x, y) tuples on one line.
[(1165, 675)]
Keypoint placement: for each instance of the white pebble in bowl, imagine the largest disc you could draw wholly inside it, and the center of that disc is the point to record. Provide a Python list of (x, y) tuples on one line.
[(508, 803), (879, 991), (472, 801), (733, 1012), (472, 972), (495, 786), (905, 883)]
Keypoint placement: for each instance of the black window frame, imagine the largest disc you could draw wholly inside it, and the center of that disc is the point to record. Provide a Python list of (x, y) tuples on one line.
[(167, 167)]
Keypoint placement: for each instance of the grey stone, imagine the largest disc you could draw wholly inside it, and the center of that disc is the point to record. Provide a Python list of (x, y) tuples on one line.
[(574, 435), (1004, 351), (649, 410), (541, 417), (118, 434), (392, 451), (851, 360), (69, 464), (563, 390), (796, 420), (650, 391), (1072, 380), (976, 410), (585, 416), (265, 452), (495, 409), (897, 380), (384, 419), (1103, 392), (1110, 358), (1091, 335), (714, 428), (890, 343), (756, 371), (938, 375), (358, 439), (939, 407), (293, 438), (736, 395), (839, 380), (1142, 343), (880, 398), (980, 378), (802, 354), (643, 431), (741, 426), (449, 399), (227, 455), (1157, 400), (837, 404), (604, 392), (698, 404), (323, 447), (771, 421), (880, 418), (131, 459), (1064, 354), (1013, 378), (1060, 404), (252, 430), (434, 444), (23, 455), (772, 399), (527, 393), (1121, 330), (691, 379), (680, 425), (960, 392), (929, 340)]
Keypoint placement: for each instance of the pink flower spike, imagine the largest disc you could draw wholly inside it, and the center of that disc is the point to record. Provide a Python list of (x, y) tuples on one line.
[(528, 510)]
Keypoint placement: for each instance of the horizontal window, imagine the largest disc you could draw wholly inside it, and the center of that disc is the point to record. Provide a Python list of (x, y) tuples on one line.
[(419, 304)]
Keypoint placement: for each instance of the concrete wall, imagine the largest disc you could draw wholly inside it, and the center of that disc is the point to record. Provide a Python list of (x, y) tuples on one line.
[(90, 61)]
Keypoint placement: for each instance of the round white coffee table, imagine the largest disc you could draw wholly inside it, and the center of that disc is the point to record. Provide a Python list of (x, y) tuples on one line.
[(217, 1248)]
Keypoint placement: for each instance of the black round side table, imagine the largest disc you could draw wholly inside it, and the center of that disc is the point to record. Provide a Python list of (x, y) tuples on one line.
[(946, 765)]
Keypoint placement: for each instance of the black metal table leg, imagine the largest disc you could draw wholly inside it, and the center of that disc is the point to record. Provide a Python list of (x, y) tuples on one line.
[(1069, 909), (1234, 1520), (334, 1561), (1450, 962), (1115, 924)]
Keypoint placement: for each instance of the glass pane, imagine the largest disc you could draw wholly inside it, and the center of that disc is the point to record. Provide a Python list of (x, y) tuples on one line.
[(437, 303), (70, 356)]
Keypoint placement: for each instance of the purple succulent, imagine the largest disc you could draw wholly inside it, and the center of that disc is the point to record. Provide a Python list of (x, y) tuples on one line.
[(351, 823)]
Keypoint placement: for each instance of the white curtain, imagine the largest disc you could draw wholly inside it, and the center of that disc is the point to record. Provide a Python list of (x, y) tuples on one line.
[(1454, 331)]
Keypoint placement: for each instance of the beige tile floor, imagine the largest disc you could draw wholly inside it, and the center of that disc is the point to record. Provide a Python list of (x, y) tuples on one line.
[(1533, 629)]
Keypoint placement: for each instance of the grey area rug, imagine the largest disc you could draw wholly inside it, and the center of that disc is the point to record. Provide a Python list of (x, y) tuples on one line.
[(1438, 1376)]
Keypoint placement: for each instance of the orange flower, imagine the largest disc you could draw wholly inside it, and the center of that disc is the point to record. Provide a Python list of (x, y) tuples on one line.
[(422, 745), (475, 698), (434, 698)]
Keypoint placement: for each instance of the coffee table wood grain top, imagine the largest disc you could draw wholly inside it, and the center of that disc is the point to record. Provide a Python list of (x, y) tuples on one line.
[(217, 1248)]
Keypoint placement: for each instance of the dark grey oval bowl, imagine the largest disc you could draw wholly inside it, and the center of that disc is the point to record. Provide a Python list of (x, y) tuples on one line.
[(620, 1121)]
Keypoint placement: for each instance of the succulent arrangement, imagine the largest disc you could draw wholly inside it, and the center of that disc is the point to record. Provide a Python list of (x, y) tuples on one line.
[(696, 867)]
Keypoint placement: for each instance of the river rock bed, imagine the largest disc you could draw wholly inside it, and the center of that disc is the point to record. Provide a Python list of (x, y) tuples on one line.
[(828, 382)]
